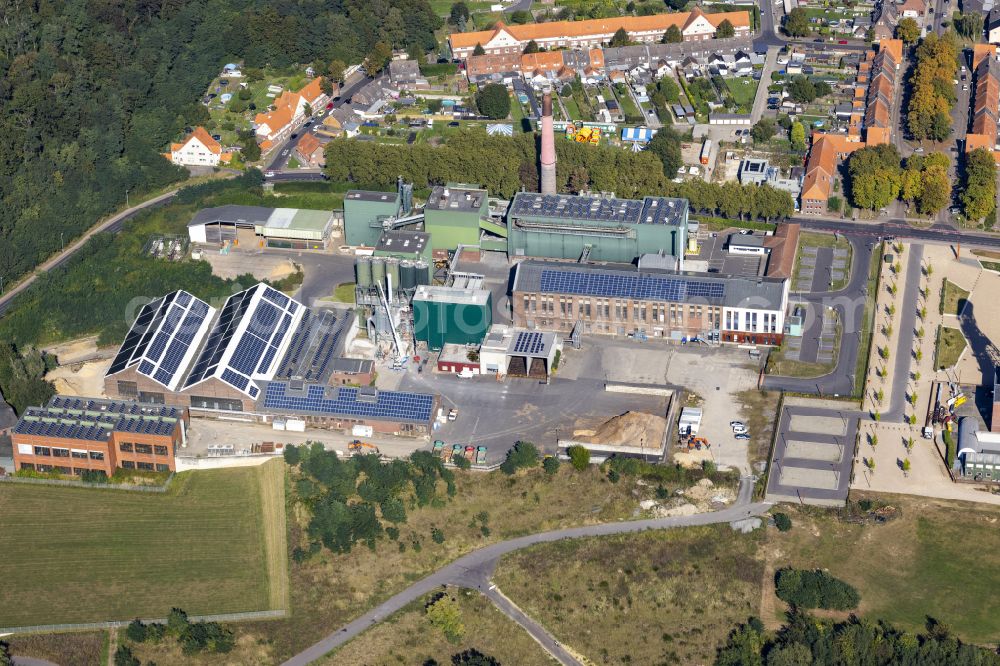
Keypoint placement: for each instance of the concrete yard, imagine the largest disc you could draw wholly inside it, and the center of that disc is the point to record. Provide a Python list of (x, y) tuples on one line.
[(820, 479), (832, 425)]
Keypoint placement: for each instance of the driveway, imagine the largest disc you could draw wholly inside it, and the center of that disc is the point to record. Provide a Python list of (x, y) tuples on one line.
[(475, 569)]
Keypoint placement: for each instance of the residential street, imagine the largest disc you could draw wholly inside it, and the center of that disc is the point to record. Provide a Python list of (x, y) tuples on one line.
[(475, 570)]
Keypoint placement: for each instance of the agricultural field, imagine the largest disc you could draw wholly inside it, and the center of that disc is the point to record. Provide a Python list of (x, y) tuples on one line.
[(213, 543), (659, 597), (409, 638)]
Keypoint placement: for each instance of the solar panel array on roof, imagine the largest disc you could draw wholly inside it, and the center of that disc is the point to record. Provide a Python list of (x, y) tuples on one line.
[(636, 286), (651, 210), (344, 401), (94, 420), (315, 345), (254, 326), (161, 337), (528, 342)]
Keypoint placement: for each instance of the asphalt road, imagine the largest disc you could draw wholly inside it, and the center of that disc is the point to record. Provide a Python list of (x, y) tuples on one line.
[(283, 151), (112, 224), (475, 569), (849, 303), (907, 325)]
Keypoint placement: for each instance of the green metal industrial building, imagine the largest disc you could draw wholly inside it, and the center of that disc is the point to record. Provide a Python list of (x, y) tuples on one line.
[(447, 315), (561, 226), (404, 245), (364, 212), (456, 214)]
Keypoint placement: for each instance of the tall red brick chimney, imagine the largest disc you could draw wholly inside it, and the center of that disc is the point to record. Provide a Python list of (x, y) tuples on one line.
[(548, 158)]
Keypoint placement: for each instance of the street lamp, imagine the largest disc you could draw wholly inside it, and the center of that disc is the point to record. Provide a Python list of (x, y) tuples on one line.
[(126, 197), (62, 245)]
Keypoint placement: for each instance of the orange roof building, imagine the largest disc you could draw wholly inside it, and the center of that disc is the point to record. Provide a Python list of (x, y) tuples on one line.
[(289, 107), (503, 39), (198, 149), (986, 101)]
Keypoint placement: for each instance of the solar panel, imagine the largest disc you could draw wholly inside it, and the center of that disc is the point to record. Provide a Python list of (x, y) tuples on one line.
[(637, 286), (528, 343), (390, 405), (236, 380)]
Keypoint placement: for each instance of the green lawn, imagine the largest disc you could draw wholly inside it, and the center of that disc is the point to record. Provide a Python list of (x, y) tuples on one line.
[(663, 597), (213, 543), (867, 324), (950, 345), (629, 109), (952, 298), (344, 293), (572, 108), (939, 559), (743, 91)]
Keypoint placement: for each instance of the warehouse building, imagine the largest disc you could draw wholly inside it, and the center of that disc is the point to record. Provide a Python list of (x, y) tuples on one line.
[(562, 226), (181, 352), (72, 435), (623, 301), (364, 215), (256, 226), (448, 315), (343, 407), (519, 352)]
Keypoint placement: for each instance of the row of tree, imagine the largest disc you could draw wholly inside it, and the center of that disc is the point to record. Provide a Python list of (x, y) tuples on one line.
[(808, 640), (979, 197), (932, 93), (877, 177)]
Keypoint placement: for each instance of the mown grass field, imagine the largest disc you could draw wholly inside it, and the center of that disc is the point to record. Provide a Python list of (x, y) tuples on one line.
[(409, 638), (950, 345), (213, 543), (659, 597), (939, 559), (952, 298)]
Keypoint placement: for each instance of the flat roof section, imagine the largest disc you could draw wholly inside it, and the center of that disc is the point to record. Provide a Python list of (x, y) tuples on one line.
[(241, 216), (403, 241), (456, 198), (369, 195), (651, 210), (348, 402), (436, 294), (94, 419)]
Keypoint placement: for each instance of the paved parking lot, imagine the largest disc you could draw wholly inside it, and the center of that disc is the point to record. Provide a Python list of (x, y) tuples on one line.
[(813, 453)]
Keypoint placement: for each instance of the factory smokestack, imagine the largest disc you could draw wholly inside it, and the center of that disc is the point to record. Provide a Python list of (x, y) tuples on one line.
[(548, 159)]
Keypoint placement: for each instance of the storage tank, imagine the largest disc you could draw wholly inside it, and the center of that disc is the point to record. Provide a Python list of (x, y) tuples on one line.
[(407, 275), (363, 272), (422, 271), (392, 271), (378, 272)]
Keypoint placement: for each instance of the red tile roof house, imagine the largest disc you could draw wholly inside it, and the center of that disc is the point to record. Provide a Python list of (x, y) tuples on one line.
[(695, 25), (198, 149), (274, 125)]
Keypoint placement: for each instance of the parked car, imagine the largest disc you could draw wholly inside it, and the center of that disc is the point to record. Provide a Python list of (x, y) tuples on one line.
[(452, 414), (843, 41), (470, 453), (733, 424), (330, 105), (295, 136), (217, 137), (480, 455), (740, 430), (743, 436), (269, 174)]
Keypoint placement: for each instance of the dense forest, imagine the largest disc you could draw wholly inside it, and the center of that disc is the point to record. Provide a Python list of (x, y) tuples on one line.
[(91, 91)]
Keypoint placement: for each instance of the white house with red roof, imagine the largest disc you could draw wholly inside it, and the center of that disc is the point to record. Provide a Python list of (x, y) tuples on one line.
[(198, 149), (289, 107)]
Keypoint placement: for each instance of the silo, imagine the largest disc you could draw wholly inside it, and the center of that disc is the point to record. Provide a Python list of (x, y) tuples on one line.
[(378, 272), (392, 272), (363, 272), (423, 272), (407, 275)]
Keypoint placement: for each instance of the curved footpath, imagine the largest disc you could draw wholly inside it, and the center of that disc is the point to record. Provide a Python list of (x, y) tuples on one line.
[(474, 570)]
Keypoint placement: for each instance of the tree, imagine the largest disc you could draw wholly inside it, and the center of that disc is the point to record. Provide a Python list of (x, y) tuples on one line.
[(673, 35), (550, 465), (814, 589), (979, 197), (378, 58), (906, 466), (797, 23), (5, 658), (969, 25), (462, 462), (521, 455), (743, 647), (802, 90), (798, 136), (666, 145), (177, 622), (459, 13), (479, 50), (579, 457), (473, 657), (124, 657), (875, 176), (908, 30), (445, 615), (335, 70), (763, 131), (520, 17), (530, 47), (620, 38), (725, 30), (292, 455), (136, 631), (782, 522), (493, 101)]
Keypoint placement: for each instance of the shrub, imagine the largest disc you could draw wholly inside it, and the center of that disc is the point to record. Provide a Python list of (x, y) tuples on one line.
[(551, 465), (437, 536), (814, 589), (124, 657), (461, 462), (136, 631), (444, 614), (782, 522), (521, 455), (579, 457)]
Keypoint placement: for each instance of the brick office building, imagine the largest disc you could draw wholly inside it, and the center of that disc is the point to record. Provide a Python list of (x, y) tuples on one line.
[(619, 300), (71, 435)]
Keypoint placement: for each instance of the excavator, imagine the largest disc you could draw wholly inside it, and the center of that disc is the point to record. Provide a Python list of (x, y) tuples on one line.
[(695, 442), (357, 446)]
